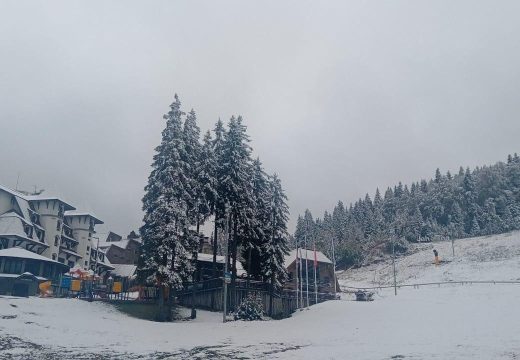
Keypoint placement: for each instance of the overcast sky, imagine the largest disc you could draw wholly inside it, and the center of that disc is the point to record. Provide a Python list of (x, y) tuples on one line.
[(339, 96)]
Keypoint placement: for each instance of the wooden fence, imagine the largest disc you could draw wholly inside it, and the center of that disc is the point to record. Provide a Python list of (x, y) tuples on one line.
[(209, 295)]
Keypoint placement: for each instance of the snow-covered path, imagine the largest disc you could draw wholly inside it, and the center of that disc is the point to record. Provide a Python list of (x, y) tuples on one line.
[(447, 322)]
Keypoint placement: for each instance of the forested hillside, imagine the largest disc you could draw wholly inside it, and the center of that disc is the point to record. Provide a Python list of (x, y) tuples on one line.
[(470, 203)]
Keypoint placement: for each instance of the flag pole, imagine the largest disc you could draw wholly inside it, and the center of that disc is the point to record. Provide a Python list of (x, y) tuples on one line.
[(334, 266), (315, 277), (301, 279), (297, 275), (307, 265)]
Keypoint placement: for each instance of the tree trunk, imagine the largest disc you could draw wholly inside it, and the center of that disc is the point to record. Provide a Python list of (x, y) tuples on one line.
[(196, 273), (271, 294), (215, 237), (215, 232), (234, 266)]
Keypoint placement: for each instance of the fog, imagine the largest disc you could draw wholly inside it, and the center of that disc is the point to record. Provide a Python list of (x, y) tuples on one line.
[(339, 97)]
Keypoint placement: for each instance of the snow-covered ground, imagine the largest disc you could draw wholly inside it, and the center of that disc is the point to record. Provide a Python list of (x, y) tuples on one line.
[(431, 322)]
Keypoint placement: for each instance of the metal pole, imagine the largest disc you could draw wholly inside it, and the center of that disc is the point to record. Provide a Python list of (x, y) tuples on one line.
[(393, 263), (226, 236), (315, 278), (297, 275), (301, 278), (334, 266), (307, 266), (97, 255), (453, 247)]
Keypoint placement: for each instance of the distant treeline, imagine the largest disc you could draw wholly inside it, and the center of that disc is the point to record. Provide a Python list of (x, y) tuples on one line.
[(484, 201)]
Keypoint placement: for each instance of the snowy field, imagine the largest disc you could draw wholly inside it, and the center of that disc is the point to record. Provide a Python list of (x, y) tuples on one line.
[(431, 322)]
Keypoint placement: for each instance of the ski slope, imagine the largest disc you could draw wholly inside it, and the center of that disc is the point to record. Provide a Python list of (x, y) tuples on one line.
[(447, 322)]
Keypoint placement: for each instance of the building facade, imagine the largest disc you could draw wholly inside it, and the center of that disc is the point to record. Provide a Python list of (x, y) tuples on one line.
[(119, 250), (50, 227)]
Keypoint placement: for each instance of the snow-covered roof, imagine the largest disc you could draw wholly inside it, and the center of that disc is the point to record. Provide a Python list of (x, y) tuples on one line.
[(16, 252), (220, 260), (124, 270), (12, 224), (11, 191), (79, 213), (66, 205), (306, 254), (123, 244), (209, 258), (3, 275)]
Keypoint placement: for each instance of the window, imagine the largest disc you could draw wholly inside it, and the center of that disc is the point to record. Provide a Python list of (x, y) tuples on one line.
[(71, 264), (12, 266), (56, 240), (58, 225), (47, 270), (28, 230), (86, 263), (61, 260), (54, 257), (32, 266)]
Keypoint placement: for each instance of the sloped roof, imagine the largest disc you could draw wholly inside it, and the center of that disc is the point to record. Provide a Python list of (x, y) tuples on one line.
[(122, 244), (12, 224), (220, 260), (79, 213), (17, 252), (124, 270), (306, 254), (66, 205)]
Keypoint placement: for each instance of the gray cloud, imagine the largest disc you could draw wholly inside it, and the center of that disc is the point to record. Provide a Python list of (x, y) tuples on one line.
[(339, 97)]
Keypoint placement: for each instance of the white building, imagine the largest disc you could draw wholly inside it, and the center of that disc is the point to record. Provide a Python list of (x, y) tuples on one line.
[(50, 227)]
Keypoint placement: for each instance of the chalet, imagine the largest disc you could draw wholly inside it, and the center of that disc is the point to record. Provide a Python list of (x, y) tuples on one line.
[(324, 271)]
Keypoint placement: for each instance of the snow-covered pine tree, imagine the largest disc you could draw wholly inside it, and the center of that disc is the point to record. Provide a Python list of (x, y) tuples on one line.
[(219, 203), (276, 248), (258, 227), (197, 211), (235, 182), (206, 177), (165, 258)]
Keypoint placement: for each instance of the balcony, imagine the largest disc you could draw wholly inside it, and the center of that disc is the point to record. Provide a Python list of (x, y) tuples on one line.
[(67, 238), (69, 252)]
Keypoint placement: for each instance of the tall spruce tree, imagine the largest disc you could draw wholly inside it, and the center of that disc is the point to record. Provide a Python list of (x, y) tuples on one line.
[(236, 187), (166, 249), (252, 251), (275, 249), (219, 203)]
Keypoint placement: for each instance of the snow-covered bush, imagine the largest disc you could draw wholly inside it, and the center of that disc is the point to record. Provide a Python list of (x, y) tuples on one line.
[(250, 309)]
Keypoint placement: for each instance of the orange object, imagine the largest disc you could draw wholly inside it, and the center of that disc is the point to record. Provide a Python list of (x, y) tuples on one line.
[(75, 285), (45, 288), (117, 287)]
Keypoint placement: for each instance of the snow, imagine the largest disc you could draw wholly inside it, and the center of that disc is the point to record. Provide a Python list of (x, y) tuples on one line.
[(80, 213), (24, 254), (450, 321), (12, 224), (124, 270), (306, 254)]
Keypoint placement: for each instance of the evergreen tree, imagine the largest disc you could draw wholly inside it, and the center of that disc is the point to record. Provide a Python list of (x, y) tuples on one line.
[(483, 201), (257, 229), (166, 250), (275, 249), (219, 203), (236, 186)]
